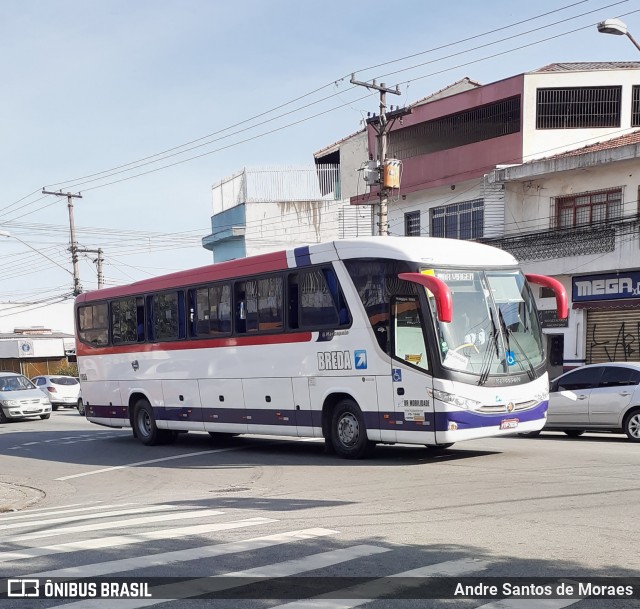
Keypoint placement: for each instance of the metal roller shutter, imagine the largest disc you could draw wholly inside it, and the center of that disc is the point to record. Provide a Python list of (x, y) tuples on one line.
[(613, 335)]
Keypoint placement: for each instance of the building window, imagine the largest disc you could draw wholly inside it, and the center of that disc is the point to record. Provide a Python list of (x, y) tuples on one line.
[(459, 220), (578, 107), (587, 208), (412, 224), (635, 106)]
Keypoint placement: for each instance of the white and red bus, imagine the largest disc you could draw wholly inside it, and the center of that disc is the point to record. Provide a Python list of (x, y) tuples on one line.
[(362, 341)]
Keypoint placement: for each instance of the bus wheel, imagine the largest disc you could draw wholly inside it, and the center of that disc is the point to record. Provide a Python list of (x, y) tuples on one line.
[(348, 431), (439, 446), (144, 424), (80, 407)]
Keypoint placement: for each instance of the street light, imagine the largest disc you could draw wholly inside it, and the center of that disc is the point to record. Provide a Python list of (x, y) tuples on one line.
[(4, 233), (617, 27)]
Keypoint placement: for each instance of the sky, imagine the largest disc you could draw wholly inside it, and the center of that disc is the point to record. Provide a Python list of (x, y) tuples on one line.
[(142, 106)]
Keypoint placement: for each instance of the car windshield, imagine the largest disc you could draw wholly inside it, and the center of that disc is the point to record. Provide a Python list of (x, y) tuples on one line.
[(495, 327), (64, 380), (15, 383)]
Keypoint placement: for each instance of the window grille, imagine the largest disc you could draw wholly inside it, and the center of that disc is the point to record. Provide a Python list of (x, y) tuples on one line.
[(635, 106), (578, 107), (475, 125), (459, 220), (587, 208), (412, 224)]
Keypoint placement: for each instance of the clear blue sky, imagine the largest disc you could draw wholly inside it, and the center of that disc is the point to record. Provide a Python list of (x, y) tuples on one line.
[(89, 86)]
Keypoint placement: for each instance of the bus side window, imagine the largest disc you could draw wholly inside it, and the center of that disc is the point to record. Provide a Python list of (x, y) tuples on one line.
[(338, 297), (140, 318), (293, 301), (240, 307)]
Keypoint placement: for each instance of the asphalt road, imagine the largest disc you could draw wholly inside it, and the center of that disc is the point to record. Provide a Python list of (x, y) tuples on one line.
[(504, 508)]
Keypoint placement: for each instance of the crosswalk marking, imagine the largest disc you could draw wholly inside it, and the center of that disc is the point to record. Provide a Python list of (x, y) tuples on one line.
[(531, 603), (100, 526), (27, 513), (56, 512), (141, 562), (369, 591), (93, 516), (125, 540), (208, 585)]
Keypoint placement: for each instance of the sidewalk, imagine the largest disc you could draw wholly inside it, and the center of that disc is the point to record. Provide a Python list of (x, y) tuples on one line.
[(14, 497)]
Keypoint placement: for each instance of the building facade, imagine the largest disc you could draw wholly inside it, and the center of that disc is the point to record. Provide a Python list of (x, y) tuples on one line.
[(537, 164)]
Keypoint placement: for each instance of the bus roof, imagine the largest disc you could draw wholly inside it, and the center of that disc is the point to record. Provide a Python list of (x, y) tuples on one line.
[(451, 253)]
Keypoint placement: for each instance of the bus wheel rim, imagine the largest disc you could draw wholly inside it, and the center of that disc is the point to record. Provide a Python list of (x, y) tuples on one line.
[(144, 421), (348, 429)]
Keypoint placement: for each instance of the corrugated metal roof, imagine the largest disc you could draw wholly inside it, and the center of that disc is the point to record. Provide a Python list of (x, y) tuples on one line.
[(584, 66), (616, 142)]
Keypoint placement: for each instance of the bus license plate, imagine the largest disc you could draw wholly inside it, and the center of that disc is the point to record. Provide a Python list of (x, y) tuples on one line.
[(509, 423)]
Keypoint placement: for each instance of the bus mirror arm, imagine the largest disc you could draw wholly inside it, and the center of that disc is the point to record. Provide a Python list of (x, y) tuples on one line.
[(562, 300), (440, 290)]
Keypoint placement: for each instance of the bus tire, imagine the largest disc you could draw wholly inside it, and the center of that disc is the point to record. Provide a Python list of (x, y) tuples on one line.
[(348, 431), (144, 424), (439, 446), (80, 407)]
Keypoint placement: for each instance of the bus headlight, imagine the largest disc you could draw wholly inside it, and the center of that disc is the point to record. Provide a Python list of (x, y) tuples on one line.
[(454, 400)]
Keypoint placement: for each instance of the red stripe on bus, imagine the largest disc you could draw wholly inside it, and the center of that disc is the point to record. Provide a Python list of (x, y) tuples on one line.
[(263, 263), (204, 343)]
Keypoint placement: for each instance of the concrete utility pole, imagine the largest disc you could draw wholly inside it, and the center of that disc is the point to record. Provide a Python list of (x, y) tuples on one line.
[(73, 247), (98, 261), (382, 125)]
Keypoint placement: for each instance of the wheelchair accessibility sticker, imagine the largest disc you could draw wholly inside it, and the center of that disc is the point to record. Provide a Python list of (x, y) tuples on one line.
[(397, 375), (511, 358), (361, 359)]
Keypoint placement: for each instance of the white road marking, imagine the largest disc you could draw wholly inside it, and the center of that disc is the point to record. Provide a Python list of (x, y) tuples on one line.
[(100, 526), (94, 516), (531, 603), (126, 540), (57, 511), (225, 581), (160, 460), (369, 591)]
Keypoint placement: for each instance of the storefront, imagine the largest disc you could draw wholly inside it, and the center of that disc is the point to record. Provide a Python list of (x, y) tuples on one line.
[(611, 303)]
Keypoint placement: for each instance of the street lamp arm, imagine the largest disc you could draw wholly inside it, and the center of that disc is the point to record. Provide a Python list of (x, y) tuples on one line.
[(630, 37)]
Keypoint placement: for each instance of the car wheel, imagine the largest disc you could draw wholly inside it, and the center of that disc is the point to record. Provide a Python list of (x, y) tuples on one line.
[(348, 431), (80, 407), (573, 433), (530, 434), (54, 407), (3, 417), (45, 416), (631, 426)]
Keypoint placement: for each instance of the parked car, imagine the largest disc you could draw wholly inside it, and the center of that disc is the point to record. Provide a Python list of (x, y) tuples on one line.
[(596, 397), (61, 390), (20, 398)]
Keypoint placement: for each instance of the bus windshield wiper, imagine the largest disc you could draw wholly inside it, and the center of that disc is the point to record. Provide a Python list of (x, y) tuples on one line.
[(531, 373), (488, 356)]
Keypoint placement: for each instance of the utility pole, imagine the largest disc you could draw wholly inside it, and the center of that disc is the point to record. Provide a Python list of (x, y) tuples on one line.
[(382, 125), (98, 261), (73, 246)]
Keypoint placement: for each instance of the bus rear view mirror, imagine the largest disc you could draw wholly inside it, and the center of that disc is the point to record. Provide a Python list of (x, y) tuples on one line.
[(439, 289), (559, 290)]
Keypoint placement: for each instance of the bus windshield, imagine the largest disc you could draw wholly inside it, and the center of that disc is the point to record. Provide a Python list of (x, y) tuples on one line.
[(495, 327)]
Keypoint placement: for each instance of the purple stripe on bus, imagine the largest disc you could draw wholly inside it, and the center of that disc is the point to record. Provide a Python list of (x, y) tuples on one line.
[(440, 421)]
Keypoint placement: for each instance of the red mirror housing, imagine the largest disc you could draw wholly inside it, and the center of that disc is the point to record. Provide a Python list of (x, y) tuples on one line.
[(441, 291), (562, 300)]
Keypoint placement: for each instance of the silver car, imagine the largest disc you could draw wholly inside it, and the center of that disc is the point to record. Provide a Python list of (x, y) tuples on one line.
[(19, 398), (597, 397)]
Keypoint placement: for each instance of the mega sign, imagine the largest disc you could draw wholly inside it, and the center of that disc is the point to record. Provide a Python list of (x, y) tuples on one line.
[(606, 287)]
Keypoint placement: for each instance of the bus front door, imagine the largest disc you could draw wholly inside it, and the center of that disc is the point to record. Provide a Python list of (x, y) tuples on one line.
[(411, 383)]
